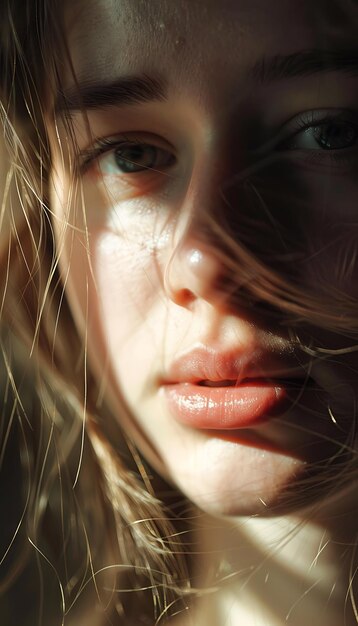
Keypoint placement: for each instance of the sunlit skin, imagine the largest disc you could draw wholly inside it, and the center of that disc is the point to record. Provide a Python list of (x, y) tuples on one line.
[(142, 269)]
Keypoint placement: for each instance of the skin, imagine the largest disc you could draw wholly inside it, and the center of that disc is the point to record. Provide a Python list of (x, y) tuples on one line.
[(144, 273)]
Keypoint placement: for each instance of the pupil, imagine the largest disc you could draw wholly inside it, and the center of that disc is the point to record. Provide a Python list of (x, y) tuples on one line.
[(135, 158), (335, 136)]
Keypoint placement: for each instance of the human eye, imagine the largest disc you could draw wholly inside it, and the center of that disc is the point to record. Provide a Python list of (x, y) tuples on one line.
[(323, 136), (131, 162)]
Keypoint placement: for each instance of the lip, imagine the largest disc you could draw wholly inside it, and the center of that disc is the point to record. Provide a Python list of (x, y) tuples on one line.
[(208, 389), (204, 363), (226, 407)]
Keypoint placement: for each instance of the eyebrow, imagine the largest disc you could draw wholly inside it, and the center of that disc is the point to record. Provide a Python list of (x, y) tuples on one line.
[(102, 94), (138, 89), (305, 63)]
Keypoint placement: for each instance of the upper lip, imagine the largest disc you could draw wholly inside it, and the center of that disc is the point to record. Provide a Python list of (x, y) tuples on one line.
[(209, 364)]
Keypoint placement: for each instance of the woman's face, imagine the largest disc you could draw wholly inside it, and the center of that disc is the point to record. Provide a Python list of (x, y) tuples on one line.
[(241, 113)]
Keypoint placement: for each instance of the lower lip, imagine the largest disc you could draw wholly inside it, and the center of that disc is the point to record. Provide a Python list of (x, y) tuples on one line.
[(223, 407)]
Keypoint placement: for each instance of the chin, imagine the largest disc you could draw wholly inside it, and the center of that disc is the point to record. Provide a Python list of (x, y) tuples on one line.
[(229, 479)]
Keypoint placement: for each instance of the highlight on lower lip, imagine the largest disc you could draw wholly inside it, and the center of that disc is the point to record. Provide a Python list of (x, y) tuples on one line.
[(225, 407)]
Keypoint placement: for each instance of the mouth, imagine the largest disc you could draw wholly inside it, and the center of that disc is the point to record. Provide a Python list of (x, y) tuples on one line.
[(208, 389)]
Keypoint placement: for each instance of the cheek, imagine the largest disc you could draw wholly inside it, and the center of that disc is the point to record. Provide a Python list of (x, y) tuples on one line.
[(112, 264), (123, 299), (308, 228), (127, 278), (126, 301)]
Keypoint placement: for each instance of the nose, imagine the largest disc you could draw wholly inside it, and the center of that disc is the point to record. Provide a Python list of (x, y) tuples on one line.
[(197, 268), (194, 272)]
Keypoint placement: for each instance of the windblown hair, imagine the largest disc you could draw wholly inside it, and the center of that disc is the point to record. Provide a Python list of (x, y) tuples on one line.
[(83, 517), (86, 521)]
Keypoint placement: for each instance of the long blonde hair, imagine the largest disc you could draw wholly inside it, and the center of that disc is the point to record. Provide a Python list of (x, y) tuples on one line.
[(88, 518)]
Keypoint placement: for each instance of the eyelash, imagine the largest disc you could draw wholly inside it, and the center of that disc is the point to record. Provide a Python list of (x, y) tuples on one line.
[(316, 119), (107, 145), (87, 157)]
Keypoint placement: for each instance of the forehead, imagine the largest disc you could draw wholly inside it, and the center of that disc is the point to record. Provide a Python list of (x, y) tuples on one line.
[(187, 38)]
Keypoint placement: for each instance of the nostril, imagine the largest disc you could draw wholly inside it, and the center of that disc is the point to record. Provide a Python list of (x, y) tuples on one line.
[(184, 297)]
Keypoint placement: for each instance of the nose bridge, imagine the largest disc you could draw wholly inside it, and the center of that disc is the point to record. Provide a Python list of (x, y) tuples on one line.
[(196, 263), (204, 198)]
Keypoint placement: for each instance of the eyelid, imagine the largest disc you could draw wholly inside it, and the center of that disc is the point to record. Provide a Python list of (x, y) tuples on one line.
[(320, 118), (304, 120), (103, 145)]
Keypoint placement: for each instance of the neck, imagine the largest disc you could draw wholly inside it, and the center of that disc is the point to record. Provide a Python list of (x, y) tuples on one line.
[(290, 570)]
